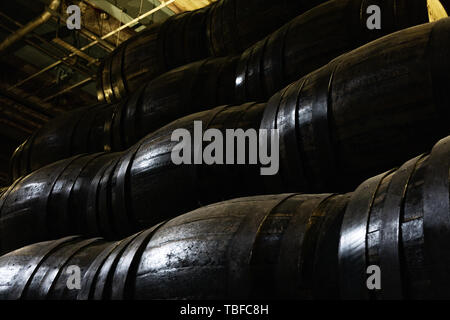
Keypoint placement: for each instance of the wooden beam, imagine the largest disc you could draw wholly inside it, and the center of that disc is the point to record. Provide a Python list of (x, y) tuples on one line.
[(189, 5)]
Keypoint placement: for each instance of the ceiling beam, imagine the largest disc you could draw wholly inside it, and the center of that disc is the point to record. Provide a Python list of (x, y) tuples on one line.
[(168, 10), (110, 9), (121, 15)]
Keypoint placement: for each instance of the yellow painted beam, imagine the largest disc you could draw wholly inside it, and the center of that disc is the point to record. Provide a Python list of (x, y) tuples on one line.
[(436, 10)]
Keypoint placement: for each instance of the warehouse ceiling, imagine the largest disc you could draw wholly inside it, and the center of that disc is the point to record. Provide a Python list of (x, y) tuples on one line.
[(44, 73)]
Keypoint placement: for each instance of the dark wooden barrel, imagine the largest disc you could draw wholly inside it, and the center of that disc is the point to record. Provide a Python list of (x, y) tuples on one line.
[(314, 38), (46, 269), (115, 127), (234, 25), (399, 221), (285, 246), (195, 184), (114, 195), (333, 134), (383, 95), (302, 45), (192, 36), (76, 132), (257, 74), (42, 205), (373, 76), (93, 193), (179, 40), (249, 239)]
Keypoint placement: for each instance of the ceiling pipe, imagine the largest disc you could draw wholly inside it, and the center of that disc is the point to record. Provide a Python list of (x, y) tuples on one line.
[(30, 26), (75, 50), (50, 53), (164, 3)]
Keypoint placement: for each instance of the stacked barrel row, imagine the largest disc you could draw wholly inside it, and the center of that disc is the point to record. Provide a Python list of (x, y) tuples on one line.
[(274, 246), (222, 28), (351, 119), (304, 44)]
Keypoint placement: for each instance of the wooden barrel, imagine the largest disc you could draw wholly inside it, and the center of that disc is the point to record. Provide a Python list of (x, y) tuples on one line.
[(41, 278), (41, 206), (333, 134), (192, 36), (324, 32), (249, 239), (316, 37), (399, 221), (93, 194), (195, 184), (235, 25), (285, 246), (116, 193), (179, 40), (76, 132), (256, 75), (381, 96), (115, 127)]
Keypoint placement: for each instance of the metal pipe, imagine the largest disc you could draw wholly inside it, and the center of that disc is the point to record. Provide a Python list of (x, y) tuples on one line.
[(34, 34), (77, 68), (57, 63), (75, 50), (92, 36), (163, 4), (139, 18), (58, 41), (19, 34)]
